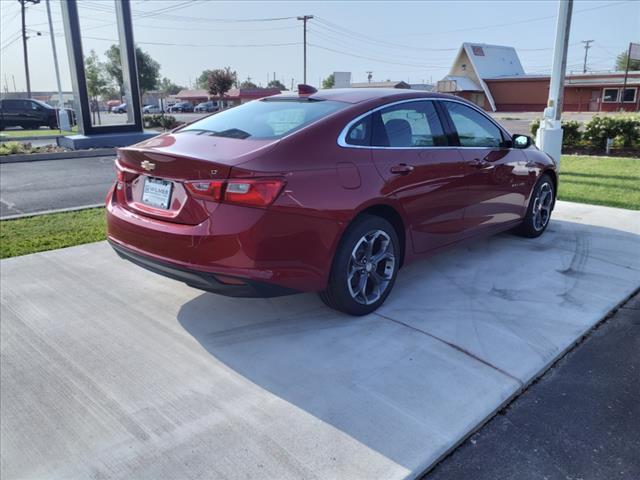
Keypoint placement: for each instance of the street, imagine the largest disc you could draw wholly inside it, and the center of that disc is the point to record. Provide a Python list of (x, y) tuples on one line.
[(50, 185)]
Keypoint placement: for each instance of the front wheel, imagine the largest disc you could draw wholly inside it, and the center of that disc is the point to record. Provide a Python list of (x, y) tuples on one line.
[(539, 210), (364, 267)]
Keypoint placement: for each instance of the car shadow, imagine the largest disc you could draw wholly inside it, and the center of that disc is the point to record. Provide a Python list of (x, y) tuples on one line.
[(385, 384)]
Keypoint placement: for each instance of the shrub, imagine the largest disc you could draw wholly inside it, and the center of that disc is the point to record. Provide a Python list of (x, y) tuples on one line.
[(10, 148), (166, 122), (534, 126), (571, 135), (625, 130), (571, 132)]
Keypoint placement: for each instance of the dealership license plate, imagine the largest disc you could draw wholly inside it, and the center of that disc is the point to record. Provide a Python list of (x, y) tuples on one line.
[(157, 192)]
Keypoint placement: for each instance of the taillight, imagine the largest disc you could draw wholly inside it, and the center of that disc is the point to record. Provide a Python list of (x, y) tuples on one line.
[(255, 192), (123, 175), (206, 189)]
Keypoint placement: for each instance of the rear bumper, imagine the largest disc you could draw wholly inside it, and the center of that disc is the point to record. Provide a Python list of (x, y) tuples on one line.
[(203, 280), (257, 246)]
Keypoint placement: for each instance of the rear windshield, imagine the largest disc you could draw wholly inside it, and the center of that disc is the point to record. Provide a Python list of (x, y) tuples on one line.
[(262, 119)]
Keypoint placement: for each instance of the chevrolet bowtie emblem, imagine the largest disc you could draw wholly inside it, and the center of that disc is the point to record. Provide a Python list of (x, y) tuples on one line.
[(147, 165)]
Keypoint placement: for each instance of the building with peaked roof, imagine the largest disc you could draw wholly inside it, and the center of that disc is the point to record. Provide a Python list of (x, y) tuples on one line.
[(492, 77)]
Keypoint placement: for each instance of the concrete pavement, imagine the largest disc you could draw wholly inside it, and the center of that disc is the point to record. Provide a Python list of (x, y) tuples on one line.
[(110, 371), (48, 185)]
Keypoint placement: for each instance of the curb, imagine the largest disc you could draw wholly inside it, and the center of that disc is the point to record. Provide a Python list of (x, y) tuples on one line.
[(48, 212), (37, 157), (5, 138)]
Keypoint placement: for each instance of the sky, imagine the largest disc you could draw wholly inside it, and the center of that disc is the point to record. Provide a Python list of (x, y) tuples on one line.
[(411, 41)]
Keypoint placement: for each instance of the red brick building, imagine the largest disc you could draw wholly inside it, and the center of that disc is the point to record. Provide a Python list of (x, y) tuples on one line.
[(492, 77)]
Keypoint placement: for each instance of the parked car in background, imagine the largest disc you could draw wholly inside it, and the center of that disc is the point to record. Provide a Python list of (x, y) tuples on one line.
[(150, 109), (181, 107), (208, 107), (122, 108), (329, 191), (29, 114)]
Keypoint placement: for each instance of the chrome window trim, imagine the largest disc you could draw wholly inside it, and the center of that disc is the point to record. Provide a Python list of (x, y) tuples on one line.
[(342, 138)]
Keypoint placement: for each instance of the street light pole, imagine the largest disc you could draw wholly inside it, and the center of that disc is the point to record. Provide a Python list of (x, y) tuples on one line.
[(549, 135), (304, 19)]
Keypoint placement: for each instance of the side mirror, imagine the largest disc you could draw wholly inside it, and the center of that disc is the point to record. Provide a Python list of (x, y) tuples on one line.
[(521, 141)]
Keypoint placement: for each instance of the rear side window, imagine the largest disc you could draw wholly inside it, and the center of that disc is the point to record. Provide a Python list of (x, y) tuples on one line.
[(360, 133), (262, 119), (412, 124), (12, 104), (473, 128)]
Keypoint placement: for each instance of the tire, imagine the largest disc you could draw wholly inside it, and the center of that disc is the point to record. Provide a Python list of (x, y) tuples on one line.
[(26, 126), (353, 267), (541, 205), (53, 125)]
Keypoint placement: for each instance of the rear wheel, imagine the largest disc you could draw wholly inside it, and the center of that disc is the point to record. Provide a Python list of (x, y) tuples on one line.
[(538, 213), (364, 268)]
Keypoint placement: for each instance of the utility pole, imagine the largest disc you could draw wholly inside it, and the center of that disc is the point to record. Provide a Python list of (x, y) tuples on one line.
[(304, 19), (369, 76), (586, 50), (24, 42), (549, 135)]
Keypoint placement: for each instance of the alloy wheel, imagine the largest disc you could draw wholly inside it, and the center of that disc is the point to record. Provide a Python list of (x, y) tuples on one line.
[(371, 267), (542, 206)]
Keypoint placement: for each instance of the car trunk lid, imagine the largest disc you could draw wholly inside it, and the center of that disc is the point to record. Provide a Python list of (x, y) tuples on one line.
[(158, 168)]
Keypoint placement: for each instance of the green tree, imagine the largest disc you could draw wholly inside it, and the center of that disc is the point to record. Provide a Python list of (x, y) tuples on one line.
[(221, 80), (203, 80), (148, 69), (168, 87), (621, 62), (248, 84), (276, 84), (96, 82), (329, 82)]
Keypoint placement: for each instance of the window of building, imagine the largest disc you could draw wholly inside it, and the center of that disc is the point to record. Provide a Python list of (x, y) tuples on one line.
[(629, 95), (610, 95), (477, 51)]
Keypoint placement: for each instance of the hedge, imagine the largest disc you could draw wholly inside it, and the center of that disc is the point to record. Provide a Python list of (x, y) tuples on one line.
[(623, 129)]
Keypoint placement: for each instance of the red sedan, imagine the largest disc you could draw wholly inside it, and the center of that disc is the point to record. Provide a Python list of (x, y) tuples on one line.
[(330, 191)]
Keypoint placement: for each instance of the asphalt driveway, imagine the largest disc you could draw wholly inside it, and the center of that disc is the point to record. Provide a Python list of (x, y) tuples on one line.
[(109, 371), (30, 187)]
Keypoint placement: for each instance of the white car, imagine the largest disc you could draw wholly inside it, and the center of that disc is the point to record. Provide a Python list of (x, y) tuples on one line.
[(151, 109)]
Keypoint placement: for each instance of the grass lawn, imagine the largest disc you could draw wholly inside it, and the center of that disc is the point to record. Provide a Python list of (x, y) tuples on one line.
[(47, 232), (40, 132), (610, 181)]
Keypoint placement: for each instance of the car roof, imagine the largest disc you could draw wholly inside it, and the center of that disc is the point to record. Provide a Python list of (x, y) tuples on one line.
[(357, 95)]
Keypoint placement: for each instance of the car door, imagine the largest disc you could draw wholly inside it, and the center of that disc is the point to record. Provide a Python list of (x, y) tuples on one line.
[(495, 173), (410, 151), (12, 112)]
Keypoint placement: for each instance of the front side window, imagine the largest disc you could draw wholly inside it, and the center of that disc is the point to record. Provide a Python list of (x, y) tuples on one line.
[(473, 128), (264, 119), (610, 95), (412, 124)]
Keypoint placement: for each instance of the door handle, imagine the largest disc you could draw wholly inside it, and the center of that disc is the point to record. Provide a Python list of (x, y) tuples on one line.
[(480, 163), (402, 169)]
